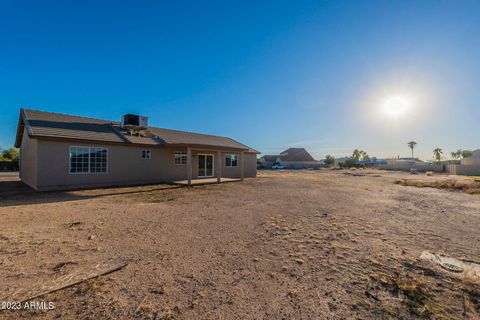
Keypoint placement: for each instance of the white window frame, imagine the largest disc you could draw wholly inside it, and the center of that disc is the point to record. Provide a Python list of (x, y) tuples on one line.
[(181, 157), (70, 162), (230, 155), (148, 154)]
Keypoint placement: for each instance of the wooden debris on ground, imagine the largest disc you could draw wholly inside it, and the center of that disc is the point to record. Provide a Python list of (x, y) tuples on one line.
[(66, 281)]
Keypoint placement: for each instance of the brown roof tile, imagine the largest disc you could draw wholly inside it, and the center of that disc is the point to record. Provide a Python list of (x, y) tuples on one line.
[(270, 158), (296, 154), (55, 125)]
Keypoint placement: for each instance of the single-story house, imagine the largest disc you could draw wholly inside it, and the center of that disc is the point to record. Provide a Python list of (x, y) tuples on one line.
[(292, 158), (60, 151), (267, 161), (469, 166)]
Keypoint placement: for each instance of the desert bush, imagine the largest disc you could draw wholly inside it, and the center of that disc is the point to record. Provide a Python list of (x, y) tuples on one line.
[(447, 184)]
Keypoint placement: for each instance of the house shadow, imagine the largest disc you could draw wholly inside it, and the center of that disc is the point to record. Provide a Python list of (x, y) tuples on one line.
[(16, 193)]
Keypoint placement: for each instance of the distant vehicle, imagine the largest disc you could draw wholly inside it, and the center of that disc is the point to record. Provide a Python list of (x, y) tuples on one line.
[(413, 171), (278, 166)]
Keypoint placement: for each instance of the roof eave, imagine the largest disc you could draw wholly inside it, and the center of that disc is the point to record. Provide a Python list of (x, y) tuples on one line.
[(205, 146), (22, 123)]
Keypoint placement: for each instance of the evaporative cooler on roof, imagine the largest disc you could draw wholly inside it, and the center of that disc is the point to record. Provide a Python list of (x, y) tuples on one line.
[(134, 121)]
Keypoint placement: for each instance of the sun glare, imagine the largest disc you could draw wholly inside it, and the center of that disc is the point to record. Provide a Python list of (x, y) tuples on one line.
[(396, 106)]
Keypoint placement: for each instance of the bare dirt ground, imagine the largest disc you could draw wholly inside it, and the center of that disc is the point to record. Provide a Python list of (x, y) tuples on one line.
[(286, 245)]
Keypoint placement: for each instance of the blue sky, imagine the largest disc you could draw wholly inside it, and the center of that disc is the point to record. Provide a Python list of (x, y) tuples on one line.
[(272, 74)]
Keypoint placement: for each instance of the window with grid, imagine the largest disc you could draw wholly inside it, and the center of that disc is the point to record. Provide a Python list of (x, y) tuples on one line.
[(180, 158), (231, 160), (146, 154), (88, 160)]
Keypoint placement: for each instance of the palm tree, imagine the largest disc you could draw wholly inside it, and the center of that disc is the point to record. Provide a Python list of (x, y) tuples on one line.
[(412, 145), (457, 155), (438, 154)]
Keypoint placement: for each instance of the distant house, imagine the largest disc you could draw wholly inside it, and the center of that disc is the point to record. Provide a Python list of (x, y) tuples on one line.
[(267, 161), (60, 151), (374, 162), (407, 164), (468, 166), (292, 158)]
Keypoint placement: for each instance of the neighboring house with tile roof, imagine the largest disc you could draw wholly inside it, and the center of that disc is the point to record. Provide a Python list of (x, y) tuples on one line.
[(59, 151), (292, 158)]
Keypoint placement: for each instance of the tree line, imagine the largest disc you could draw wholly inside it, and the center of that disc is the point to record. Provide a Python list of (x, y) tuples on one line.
[(438, 153), (354, 160), (11, 154), (358, 156)]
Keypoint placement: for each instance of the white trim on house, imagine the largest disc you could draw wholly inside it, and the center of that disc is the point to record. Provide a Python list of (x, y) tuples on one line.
[(183, 154), (231, 160)]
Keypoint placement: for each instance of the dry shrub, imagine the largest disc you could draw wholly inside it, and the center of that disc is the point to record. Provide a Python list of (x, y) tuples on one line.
[(413, 289), (446, 184)]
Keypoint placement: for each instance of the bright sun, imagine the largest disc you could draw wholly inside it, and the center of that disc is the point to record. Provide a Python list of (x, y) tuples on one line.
[(396, 106)]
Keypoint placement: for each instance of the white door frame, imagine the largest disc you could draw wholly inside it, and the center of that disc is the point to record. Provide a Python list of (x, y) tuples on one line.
[(213, 164)]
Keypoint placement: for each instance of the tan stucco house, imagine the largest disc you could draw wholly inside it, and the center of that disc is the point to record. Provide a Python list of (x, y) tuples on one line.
[(59, 151)]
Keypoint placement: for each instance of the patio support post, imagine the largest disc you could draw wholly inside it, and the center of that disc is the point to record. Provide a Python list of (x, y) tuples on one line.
[(219, 166), (242, 165), (189, 165)]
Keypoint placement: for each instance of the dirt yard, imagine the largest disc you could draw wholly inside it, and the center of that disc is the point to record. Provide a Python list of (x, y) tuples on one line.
[(286, 245)]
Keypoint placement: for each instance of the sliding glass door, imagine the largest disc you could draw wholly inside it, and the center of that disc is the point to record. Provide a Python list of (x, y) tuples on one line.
[(205, 165)]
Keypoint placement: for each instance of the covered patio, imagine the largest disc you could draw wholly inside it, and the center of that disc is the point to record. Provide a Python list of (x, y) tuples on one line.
[(212, 170)]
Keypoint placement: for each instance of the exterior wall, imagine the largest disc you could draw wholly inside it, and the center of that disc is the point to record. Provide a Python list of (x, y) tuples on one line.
[(468, 170), (266, 164), (250, 165), (299, 164), (408, 165), (125, 166), (231, 172), (468, 166), (28, 160), (473, 160), (291, 164)]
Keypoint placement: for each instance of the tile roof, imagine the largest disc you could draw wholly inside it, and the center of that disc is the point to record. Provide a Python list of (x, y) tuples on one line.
[(270, 158), (296, 154), (184, 137), (56, 125), (291, 154)]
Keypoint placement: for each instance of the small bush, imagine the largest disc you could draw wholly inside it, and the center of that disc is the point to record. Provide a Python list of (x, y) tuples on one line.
[(448, 184)]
